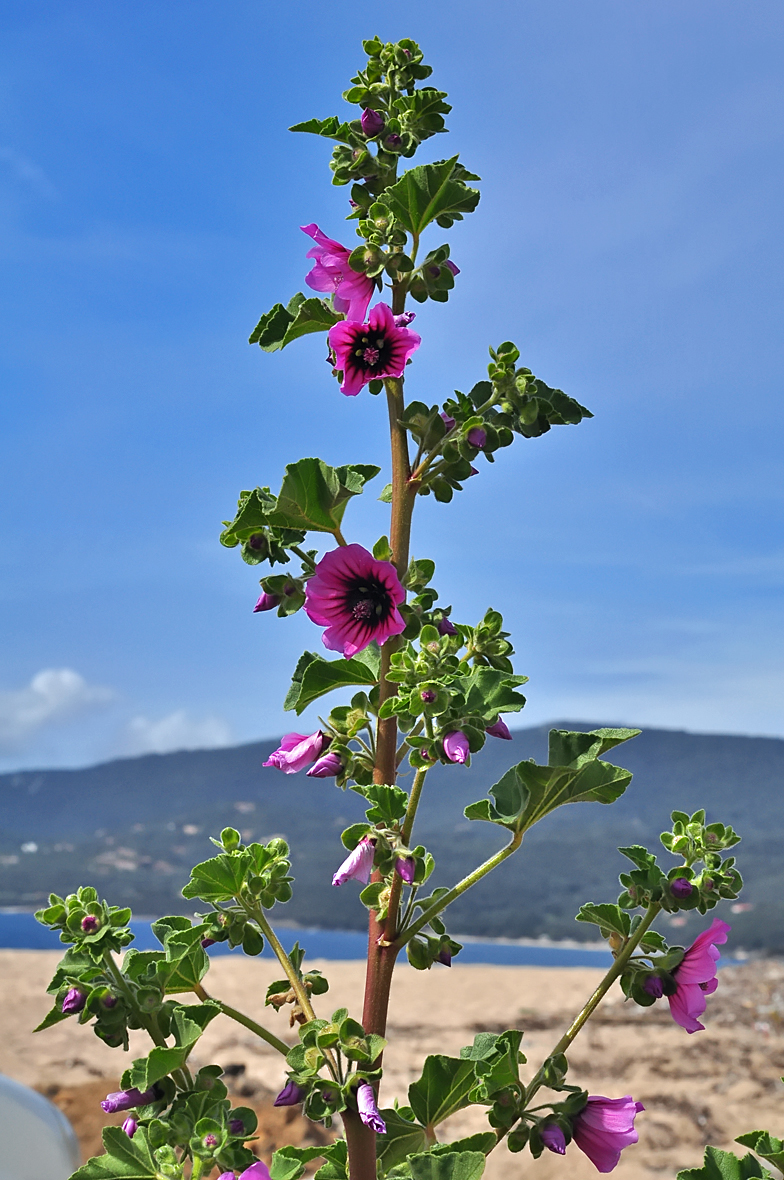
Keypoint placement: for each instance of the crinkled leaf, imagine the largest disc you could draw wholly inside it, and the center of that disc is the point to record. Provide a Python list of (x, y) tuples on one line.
[(218, 879), (607, 916), (189, 1021), (448, 1165), (442, 1089), (488, 691), (336, 1166), (125, 1159), (315, 676), (302, 315), (188, 959), (330, 128), (724, 1165), (288, 1163), (314, 495), (483, 1141), (146, 1071), (567, 748), (428, 192), (766, 1145), (402, 1138)]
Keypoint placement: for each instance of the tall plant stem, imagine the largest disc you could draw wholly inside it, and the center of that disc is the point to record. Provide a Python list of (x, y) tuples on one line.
[(390, 926), (244, 1020), (297, 985), (590, 1007)]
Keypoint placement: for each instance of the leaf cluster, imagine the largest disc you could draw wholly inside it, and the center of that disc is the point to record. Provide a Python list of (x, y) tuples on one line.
[(256, 875)]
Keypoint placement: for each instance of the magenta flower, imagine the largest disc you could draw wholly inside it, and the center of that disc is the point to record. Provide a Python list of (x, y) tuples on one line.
[(327, 766), (266, 602), (456, 746), (444, 956), (368, 352), (236, 1127), (130, 1126), (296, 751), (404, 319), (125, 1099), (368, 1111), (356, 598), (499, 730), (654, 986), (352, 290), (695, 977), (405, 867), (553, 1138), (207, 942), (604, 1127), (74, 1001), (372, 123), (358, 865), (257, 1171), (290, 1095)]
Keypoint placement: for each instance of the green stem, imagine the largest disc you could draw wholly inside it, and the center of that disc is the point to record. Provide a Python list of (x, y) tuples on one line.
[(149, 1020), (297, 985), (424, 466), (197, 1170), (390, 927), (413, 804), (303, 556), (462, 886), (244, 1020), (341, 540), (590, 1007)]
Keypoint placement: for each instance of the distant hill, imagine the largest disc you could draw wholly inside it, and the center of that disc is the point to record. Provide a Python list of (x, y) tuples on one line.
[(134, 826)]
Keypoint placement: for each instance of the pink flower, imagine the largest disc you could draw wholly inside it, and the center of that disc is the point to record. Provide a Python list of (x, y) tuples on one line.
[(257, 1171), (368, 352), (456, 746), (604, 1127), (368, 1111), (405, 867), (553, 1138), (695, 977), (328, 766), (372, 123), (356, 598), (499, 730), (352, 290), (130, 1126), (358, 865), (266, 602), (296, 751)]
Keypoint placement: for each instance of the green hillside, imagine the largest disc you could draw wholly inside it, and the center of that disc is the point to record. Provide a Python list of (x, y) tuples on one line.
[(134, 826)]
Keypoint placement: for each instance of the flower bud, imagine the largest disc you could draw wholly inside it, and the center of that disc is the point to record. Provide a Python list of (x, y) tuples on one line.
[(290, 1095), (358, 865), (207, 942), (109, 1001), (125, 1099), (451, 266), (393, 140), (445, 627), (327, 766), (259, 544), (553, 1138), (210, 1140), (74, 1001), (266, 602), (236, 1127), (654, 987), (405, 867), (681, 888), (449, 422), (499, 730), (444, 956), (428, 696), (372, 123), (477, 436), (456, 746), (130, 1126), (90, 924)]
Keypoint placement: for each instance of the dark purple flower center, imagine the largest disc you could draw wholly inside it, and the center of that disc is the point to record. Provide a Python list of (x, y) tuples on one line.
[(371, 353), (369, 601)]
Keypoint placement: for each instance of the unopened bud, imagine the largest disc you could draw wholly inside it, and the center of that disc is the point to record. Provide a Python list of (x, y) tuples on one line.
[(680, 888), (90, 924), (74, 1001), (372, 123)]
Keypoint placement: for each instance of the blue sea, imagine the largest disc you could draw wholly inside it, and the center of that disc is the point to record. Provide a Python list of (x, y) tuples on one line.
[(20, 931)]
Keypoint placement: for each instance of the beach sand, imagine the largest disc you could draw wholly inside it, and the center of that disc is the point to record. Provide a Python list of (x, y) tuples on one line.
[(704, 1088)]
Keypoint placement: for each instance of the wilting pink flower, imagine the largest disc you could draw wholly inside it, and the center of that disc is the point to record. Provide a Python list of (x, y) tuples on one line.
[(695, 976), (604, 1127), (352, 290), (404, 319), (477, 436), (405, 867), (368, 1111), (368, 352), (356, 598), (372, 123), (358, 865), (681, 887), (499, 730), (290, 1095), (296, 751), (445, 627), (74, 1001), (266, 602), (130, 1126), (125, 1099), (553, 1138), (456, 746), (327, 766)]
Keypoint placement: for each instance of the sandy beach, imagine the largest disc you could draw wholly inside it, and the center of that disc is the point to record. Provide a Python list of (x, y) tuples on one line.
[(698, 1089)]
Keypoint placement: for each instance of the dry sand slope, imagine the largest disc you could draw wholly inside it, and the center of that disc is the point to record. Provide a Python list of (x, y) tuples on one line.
[(698, 1089)]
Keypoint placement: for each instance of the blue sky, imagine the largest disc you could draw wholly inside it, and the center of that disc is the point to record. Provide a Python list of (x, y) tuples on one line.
[(628, 238)]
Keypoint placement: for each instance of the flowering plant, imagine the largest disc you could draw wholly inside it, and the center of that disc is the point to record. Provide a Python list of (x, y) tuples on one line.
[(429, 689)]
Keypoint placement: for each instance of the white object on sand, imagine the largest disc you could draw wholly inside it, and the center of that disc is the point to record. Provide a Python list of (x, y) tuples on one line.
[(38, 1141)]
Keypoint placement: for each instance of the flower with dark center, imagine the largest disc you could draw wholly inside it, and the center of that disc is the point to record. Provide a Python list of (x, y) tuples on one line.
[(695, 977), (358, 865), (74, 1001), (604, 1127), (553, 1137), (290, 1095), (356, 598), (681, 888), (328, 766), (130, 1126), (368, 1111), (456, 746), (297, 750), (352, 291), (372, 123), (371, 351), (90, 924), (499, 730)]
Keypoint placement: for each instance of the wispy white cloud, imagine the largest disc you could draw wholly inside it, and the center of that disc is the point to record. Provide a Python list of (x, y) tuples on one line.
[(53, 696), (178, 730)]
